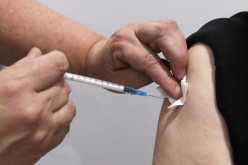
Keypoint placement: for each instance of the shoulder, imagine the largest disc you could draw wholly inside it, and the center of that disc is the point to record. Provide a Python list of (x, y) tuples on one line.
[(221, 29)]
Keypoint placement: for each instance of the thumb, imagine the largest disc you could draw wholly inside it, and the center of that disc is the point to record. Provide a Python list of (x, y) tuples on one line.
[(34, 52)]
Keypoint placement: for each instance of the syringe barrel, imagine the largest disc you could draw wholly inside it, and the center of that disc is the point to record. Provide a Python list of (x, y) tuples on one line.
[(92, 81)]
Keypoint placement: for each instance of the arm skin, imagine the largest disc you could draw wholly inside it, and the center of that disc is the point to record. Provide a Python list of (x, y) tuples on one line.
[(128, 57), (27, 23), (195, 133)]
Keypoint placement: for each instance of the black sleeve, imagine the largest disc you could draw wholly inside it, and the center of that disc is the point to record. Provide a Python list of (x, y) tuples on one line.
[(228, 39)]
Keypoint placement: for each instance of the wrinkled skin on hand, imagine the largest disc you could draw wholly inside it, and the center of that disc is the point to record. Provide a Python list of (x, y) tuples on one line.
[(35, 109), (130, 57)]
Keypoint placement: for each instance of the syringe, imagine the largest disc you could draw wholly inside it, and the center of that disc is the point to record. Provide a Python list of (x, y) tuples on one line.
[(107, 85), (104, 84)]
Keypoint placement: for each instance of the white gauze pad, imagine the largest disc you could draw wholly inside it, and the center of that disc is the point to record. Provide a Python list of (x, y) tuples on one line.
[(178, 102)]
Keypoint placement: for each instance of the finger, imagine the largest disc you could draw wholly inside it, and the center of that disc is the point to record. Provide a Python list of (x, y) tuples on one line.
[(143, 60), (175, 50), (165, 36), (64, 116), (52, 135), (59, 136), (46, 70), (55, 96), (160, 74), (34, 52)]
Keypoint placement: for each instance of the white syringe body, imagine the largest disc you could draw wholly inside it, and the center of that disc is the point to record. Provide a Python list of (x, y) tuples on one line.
[(96, 82)]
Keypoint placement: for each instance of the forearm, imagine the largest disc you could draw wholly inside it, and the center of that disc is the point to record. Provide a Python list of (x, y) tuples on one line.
[(27, 23)]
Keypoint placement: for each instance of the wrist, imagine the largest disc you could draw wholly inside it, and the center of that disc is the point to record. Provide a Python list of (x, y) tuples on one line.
[(94, 58)]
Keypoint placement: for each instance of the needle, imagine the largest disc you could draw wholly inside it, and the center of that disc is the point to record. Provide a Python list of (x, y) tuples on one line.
[(156, 96)]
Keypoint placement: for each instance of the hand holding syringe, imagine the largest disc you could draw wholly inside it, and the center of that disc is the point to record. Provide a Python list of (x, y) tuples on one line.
[(104, 84)]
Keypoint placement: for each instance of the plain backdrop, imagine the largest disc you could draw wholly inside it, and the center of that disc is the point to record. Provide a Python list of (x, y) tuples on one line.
[(115, 129)]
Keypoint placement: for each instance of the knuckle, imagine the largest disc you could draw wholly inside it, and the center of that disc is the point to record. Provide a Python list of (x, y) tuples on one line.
[(165, 27), (117, 36), (121, 34), (171, 24), (150, 61), (117, 43), (121, 40), (179, 56), (69, 111), (32, 114), (12, 88), (39, 138), (169, 79)]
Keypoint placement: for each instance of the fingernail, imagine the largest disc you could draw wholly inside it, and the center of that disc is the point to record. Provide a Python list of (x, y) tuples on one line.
[(178, 92), (181, 74)]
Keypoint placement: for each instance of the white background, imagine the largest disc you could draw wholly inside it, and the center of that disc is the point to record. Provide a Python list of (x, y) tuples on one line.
[(114, 129)]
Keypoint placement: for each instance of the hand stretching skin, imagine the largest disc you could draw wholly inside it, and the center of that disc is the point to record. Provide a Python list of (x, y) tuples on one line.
[(130, 57), (35, 109)]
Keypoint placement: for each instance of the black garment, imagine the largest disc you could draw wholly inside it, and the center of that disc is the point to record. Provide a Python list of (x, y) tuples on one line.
[(228, 39)]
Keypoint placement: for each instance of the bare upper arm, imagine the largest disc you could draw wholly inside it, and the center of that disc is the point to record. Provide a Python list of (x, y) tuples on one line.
[(190, 132)]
